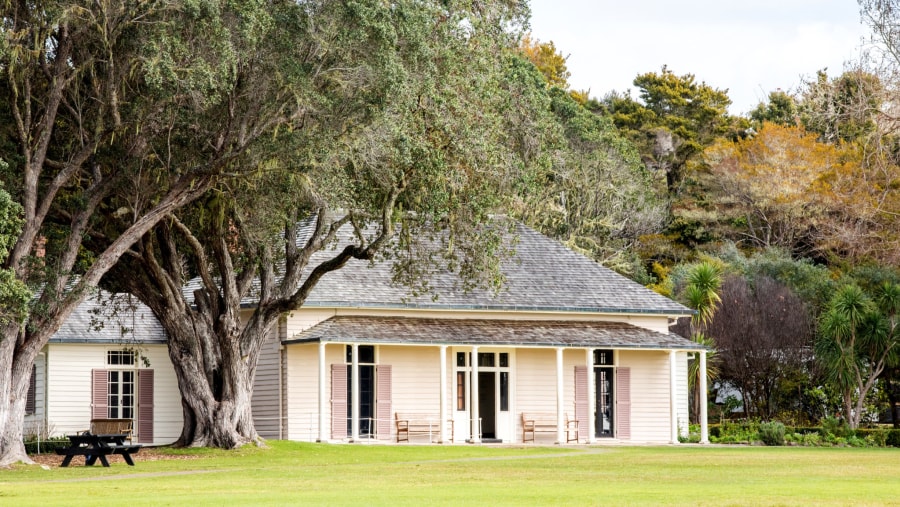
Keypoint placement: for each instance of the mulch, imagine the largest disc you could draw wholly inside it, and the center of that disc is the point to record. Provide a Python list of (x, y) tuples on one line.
[(145, 454)]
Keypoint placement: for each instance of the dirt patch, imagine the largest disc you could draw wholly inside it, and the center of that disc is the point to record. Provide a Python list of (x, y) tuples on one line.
[(145, 454)]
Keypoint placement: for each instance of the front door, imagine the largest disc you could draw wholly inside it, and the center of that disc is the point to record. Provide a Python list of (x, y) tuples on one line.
[(603, 416), (487, 403), (366, 399)]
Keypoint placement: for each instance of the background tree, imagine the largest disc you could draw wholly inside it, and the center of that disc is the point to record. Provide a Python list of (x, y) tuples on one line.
[(780, 109), (548, 60), (763, 336), (702, 286), (775, 184), (674, 119), (406, 155), (858, 340), (592, 192)]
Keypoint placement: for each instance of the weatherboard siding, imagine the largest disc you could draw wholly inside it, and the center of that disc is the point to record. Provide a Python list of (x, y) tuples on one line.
[(266, 401), (415, 381), (650, 401), (68, 388)]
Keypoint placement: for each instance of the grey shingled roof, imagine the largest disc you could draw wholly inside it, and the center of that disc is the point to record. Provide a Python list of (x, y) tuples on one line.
[(543, 275), (113, 319), (401, 330)]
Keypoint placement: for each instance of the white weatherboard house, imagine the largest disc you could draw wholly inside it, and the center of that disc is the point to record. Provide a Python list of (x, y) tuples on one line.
[(118, 371), (566, 340)]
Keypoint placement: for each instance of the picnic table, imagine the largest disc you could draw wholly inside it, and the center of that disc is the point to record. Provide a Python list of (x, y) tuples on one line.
[(94, 447)]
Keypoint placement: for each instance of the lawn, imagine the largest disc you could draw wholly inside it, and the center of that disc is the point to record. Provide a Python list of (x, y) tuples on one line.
[(289, 473)]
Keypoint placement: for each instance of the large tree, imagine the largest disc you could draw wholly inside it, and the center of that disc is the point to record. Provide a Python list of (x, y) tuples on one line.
[(673, 120), (763, 335), (859, 338), (409, 148), (118, 114)]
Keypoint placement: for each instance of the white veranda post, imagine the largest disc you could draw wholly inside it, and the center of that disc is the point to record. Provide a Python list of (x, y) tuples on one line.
[(443, 395), (354, 424), (323, 436), (704, 427), (673, 395), (473, 400), (560, 422)]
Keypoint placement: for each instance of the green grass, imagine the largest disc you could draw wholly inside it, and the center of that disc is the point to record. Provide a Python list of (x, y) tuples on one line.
[(291, 473)]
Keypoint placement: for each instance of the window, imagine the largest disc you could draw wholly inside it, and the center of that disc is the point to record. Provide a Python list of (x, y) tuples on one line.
[(366, 354), (461, 359), (603, 358), (120, 357), (486, 359), (120, 385), (120, 394), (504, 391), (460, 390)]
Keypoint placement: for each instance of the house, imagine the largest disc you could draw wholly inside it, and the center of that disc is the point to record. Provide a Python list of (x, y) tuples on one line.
[(565, 344), (108, 361), (566, 340)]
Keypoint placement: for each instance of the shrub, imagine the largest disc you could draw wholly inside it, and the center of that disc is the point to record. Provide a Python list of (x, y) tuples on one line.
[(772, 433), (874, 437), (835, 427), (46, 446), (893, 438), (811, 439)]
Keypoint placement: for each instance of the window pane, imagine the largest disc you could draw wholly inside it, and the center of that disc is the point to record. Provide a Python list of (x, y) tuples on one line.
[(504, 360), (460, 390), (504, 391), (367, 354), (460, 359), (603, 357), (485, 359)]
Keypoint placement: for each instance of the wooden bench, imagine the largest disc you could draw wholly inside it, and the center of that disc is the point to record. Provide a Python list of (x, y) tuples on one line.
[(112, 427), (418, 424), (545, 422)]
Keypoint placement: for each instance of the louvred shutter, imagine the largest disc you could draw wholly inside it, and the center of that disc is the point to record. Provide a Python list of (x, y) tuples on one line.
[(338, 401), (32, 392), (99, 392), (581, 400), (623, 403), (383, 401), (145, 407)]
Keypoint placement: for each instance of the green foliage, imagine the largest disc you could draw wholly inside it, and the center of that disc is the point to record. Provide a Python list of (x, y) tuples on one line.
[(772, 433), (590, 190), (674, 119), (834, 427), (14, 294), (893, 438), (781, 109)]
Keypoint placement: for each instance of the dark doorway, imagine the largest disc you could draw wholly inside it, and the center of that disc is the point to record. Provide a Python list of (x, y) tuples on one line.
[(366, 399), (487, 403), (603, 418)]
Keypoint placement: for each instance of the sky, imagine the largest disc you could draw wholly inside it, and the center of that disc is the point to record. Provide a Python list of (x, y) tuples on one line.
[(749, 47)]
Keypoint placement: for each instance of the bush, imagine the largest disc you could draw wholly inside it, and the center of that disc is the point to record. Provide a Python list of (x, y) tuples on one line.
[(46, 446), (772, 433), (837, 428), (873, 436), (811, 440), (893, 438)]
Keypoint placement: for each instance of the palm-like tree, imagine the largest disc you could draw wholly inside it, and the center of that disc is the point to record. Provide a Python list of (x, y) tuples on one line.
[(702, 294), (858, 338)]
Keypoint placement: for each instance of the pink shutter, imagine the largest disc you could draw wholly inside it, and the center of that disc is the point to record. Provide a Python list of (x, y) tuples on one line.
[(32, 392), (581, 400), (338, 401), (99, 393), (145, 407), (623, 403), (383, 401)]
